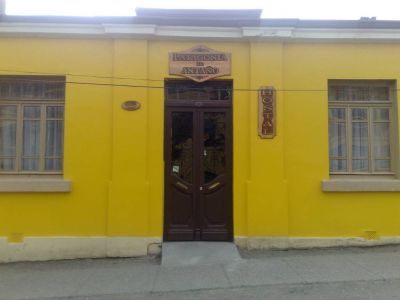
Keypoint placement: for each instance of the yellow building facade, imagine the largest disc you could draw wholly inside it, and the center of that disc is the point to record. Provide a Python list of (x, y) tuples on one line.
[(109, 200)]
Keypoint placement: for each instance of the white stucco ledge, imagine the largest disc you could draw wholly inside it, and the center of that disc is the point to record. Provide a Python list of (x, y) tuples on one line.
[(360, 185), (35, 185)]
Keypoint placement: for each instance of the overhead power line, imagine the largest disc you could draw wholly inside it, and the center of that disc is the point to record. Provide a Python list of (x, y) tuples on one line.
[(27, 79), (13, 77)]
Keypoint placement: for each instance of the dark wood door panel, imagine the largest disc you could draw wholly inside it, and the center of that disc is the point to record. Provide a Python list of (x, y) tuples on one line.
[(198, 164)]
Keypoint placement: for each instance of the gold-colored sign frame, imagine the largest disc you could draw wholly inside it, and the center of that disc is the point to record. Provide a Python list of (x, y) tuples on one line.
[(267, 112), (200, 63)]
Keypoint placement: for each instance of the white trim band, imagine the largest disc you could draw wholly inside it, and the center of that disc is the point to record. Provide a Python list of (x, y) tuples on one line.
[(196, 32), (35, 185), (52, 248), (311, 242), (360, 185)]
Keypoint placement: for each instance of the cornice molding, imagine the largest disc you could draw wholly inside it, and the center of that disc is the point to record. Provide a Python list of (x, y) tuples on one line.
[(52, 30)]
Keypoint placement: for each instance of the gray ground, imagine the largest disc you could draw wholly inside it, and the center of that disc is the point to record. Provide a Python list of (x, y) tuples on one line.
[(351, 273)]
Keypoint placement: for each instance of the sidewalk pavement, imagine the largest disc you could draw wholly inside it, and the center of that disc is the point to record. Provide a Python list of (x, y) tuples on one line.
[(259, 275)]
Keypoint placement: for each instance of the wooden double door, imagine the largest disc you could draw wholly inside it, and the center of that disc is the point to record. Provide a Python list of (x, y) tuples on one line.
[(198, 161)]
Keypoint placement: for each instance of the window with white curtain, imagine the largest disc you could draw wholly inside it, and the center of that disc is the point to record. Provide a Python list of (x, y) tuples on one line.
[(31, 124), (361, 126)]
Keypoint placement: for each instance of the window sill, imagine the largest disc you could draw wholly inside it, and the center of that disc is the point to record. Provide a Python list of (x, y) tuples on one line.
[(35, 185), (361, 185)]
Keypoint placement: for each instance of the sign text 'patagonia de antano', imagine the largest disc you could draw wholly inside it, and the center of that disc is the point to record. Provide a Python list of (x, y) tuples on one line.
[(200, 63)]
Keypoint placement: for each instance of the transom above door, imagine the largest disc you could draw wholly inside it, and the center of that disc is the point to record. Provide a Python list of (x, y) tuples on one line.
[(198, 161)]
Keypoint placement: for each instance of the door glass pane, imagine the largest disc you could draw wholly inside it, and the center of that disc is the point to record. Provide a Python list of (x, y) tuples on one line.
[(182, 145), (214, 145)]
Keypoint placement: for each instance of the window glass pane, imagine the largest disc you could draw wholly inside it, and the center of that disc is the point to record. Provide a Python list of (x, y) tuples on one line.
[(7, 164), (338, 165), (360, 139), (337, 139), (381, 140), (53, 164), (4, 90), (8, 133), (198, 91), (379, 93), (54, 138), (382, 165), (381, 114), (30, 164), (31, 138), (54, 90), (16, 91), (337, 114), (32, 88), (360, 165), (187, 93), (8, 111), (182, 145), (358, 93), (32, 112), (55, 112), (359, 114), (338, 93)]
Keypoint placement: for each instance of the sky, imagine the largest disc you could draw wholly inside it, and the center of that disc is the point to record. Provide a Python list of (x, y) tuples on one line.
[(302, 9)]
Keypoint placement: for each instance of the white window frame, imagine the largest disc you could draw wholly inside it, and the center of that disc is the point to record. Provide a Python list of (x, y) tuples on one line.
[(391, 104), (20, 103)]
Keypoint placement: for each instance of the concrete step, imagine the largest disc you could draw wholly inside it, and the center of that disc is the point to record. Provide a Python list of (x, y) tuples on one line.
[(198, 253)]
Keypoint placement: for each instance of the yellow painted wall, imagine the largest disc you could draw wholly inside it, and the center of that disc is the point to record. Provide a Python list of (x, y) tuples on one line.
[(115, 157)]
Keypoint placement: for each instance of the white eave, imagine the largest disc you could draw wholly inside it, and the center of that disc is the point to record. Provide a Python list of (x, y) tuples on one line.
[(192, 32)]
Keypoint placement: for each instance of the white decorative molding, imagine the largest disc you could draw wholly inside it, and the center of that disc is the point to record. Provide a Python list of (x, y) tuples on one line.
[(53, 248), (35, 185), (360, 185), (311, 242), (193, 32)]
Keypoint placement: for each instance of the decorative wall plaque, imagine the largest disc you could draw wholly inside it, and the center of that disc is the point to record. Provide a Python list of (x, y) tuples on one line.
[(267, 112), (131, 105), (200, 63)]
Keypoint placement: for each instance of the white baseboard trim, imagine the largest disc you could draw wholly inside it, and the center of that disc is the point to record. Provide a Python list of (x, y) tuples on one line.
[(53, 248), (250, 243)]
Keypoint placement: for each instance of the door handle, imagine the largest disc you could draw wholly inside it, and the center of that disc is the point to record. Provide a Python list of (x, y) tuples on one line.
[(213, 186), (182, 185)]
